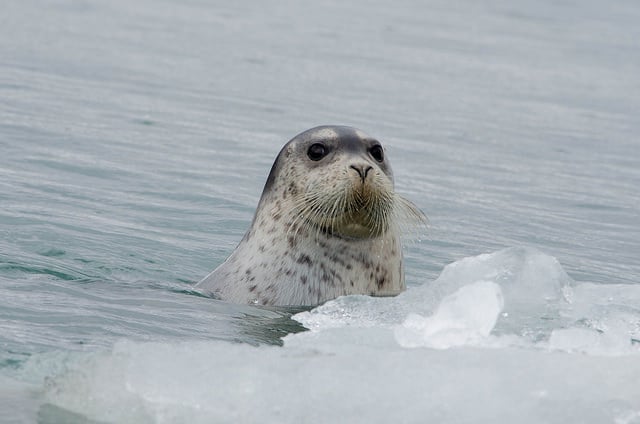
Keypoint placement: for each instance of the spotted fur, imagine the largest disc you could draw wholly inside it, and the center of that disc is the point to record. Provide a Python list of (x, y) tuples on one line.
[(323, 228)]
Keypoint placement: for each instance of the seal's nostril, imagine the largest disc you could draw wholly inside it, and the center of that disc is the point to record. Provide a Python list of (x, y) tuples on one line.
[(362, 170)]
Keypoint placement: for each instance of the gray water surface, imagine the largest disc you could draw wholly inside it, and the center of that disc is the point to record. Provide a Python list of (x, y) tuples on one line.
[(135, 138)]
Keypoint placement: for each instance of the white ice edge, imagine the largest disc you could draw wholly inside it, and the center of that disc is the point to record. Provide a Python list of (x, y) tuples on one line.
[(506, 333)]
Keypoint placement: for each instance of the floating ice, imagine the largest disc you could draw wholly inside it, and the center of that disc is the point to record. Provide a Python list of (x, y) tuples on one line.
[(533, 286), (583, 340), (605, 320), (465, 317), (550, 359)]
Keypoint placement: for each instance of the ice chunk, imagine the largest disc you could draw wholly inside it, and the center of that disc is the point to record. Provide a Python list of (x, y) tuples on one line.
[(13, 409), (606, 307), (465, 317), (355, 311), (584, 340), (204, 382), (532, 284), (355, 366), (603, 320)]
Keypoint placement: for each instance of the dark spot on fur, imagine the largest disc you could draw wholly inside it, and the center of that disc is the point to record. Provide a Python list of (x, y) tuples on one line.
[(349, 266), (337, 259), (261, 248), (292, 241), (380, 281), (304, 259), (253, 288), (336, 276), (292, 188), (303, 279), (352, 283)]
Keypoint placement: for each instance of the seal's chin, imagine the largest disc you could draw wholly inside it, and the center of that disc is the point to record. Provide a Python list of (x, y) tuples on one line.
[(354, 230), (360, 219)]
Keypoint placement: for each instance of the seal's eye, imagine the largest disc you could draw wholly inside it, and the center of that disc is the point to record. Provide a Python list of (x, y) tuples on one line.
[(317, 151), (377, 152)]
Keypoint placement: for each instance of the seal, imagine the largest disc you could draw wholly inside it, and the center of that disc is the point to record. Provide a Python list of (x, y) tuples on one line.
[(327, 225)]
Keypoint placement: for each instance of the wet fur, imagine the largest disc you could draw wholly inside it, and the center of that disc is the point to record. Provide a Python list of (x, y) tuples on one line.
[(320, 229)]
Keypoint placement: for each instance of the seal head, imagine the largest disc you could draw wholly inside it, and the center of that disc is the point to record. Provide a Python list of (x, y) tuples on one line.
[(326, 225)]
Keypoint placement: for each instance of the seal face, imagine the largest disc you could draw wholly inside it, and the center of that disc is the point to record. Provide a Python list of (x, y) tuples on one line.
[(326, 226)]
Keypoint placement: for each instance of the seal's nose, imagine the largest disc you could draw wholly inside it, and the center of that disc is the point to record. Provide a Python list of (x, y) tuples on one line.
[(362, 170)]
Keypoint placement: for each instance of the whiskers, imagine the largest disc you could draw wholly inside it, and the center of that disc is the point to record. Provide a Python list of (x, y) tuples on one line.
[(408, 220), (350, 210), (318, 211)]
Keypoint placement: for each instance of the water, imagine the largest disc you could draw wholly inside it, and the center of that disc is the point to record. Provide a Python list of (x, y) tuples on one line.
[(135, 138)]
